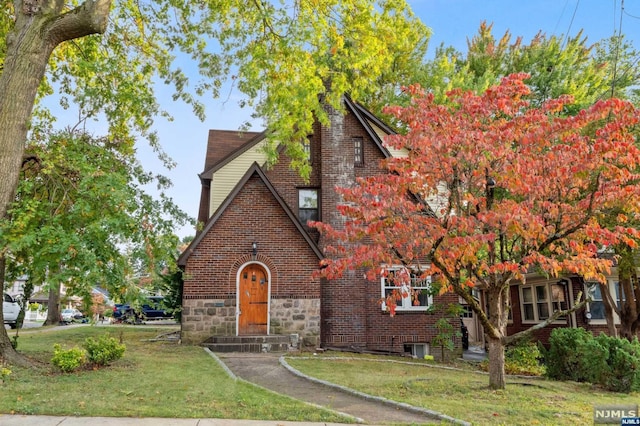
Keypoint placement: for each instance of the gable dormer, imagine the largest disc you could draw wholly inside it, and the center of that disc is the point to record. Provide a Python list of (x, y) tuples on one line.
[(229, 155)]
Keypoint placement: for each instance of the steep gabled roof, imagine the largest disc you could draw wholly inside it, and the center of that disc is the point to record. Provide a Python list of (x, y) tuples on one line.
[(255, 169), (365, 117), (225, 145)]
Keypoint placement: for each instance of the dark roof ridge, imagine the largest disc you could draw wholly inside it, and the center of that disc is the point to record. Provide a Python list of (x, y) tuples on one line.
[(359, 112), (233, 154)]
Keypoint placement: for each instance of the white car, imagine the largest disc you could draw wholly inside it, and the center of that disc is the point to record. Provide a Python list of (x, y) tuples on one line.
[(70, 315), (10, 311)]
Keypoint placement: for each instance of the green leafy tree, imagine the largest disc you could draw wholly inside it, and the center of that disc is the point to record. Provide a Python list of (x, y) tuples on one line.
[(557, 66), (81, 201)]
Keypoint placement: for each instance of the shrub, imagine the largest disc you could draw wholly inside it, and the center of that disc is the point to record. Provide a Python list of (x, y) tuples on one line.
[(573, 355), (103, 350), (523, 358), (621, 370), (68, 360), (4, 374), (610, 362)]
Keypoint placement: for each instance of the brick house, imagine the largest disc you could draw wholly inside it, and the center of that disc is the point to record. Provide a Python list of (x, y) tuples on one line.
[(539, 297), (248, 272)]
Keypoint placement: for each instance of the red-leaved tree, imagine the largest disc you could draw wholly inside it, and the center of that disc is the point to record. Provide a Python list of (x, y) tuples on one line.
[(490, 189)]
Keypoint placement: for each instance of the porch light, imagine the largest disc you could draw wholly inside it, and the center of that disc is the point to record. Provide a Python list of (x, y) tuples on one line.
[(254, 248)]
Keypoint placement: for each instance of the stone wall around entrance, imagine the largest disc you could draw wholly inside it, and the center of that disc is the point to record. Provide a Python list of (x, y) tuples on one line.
[(204, 318), (297, 316)]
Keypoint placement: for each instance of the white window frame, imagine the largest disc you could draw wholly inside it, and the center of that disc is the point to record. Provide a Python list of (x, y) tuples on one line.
[(613, 285), (406, 305), (308, 201), (535, 302)]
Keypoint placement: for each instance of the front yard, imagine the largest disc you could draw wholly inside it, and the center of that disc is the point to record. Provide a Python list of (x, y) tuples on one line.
[(153, 379), (463, 394)]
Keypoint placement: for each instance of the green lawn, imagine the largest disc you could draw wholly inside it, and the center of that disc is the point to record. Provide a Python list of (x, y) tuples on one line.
[(153, 379), (464, 394)]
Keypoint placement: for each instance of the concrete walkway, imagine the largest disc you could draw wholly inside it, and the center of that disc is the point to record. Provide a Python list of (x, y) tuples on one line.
[(271, 372)]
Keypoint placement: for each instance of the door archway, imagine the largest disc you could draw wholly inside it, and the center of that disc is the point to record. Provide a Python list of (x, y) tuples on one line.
[(253, 300)]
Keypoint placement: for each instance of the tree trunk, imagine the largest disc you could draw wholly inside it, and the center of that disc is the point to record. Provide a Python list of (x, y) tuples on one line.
[(27, 292), (496, 364), (628, 293), (53, 310), (24, 67), (498, 298), (8, 354), (609, 308), (40, 25)]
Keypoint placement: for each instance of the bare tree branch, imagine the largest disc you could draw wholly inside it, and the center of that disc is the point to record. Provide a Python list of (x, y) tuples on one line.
[(557, 314)]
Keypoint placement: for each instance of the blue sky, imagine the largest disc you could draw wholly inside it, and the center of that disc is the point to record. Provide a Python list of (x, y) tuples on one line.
[(452, 22)]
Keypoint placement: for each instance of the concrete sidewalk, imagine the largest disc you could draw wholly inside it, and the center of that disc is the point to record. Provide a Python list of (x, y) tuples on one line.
[(22, 420)]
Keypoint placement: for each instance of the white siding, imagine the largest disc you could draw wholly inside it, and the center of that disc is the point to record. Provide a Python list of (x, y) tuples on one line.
[(439, 203), (382, 135), (225, 179)]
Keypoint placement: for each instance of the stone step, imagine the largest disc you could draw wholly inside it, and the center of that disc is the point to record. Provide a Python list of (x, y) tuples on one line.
[(278, 338), (247, 347), (253, 344)]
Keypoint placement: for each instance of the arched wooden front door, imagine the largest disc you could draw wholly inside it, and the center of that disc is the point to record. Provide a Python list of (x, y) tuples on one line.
[(254, 300)]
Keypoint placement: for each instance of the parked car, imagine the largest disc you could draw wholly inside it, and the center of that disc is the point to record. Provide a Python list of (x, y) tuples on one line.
[(151, 310), (119, 310), (68, 316), (10, 310), (154, 309)]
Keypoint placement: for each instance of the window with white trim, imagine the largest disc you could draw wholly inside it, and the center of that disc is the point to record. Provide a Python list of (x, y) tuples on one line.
[(411, 293), (308, 205), (539, 301)]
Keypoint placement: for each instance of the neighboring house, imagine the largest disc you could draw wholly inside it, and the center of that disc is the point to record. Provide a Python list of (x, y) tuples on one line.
[(538, 298), (249, 271)]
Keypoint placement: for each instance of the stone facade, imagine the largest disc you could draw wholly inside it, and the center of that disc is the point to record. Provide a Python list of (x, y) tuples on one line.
[(297, 316)]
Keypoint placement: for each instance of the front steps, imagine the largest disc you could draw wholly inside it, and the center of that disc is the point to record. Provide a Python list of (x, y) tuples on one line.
[(252, 344)]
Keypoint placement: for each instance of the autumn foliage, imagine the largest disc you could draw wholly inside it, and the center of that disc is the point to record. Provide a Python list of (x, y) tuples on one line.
[(491, 188)]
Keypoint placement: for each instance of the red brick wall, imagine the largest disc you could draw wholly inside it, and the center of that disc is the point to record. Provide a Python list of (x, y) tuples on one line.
[(253, 216), (363, 323), (544, 334), (350, 312)]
